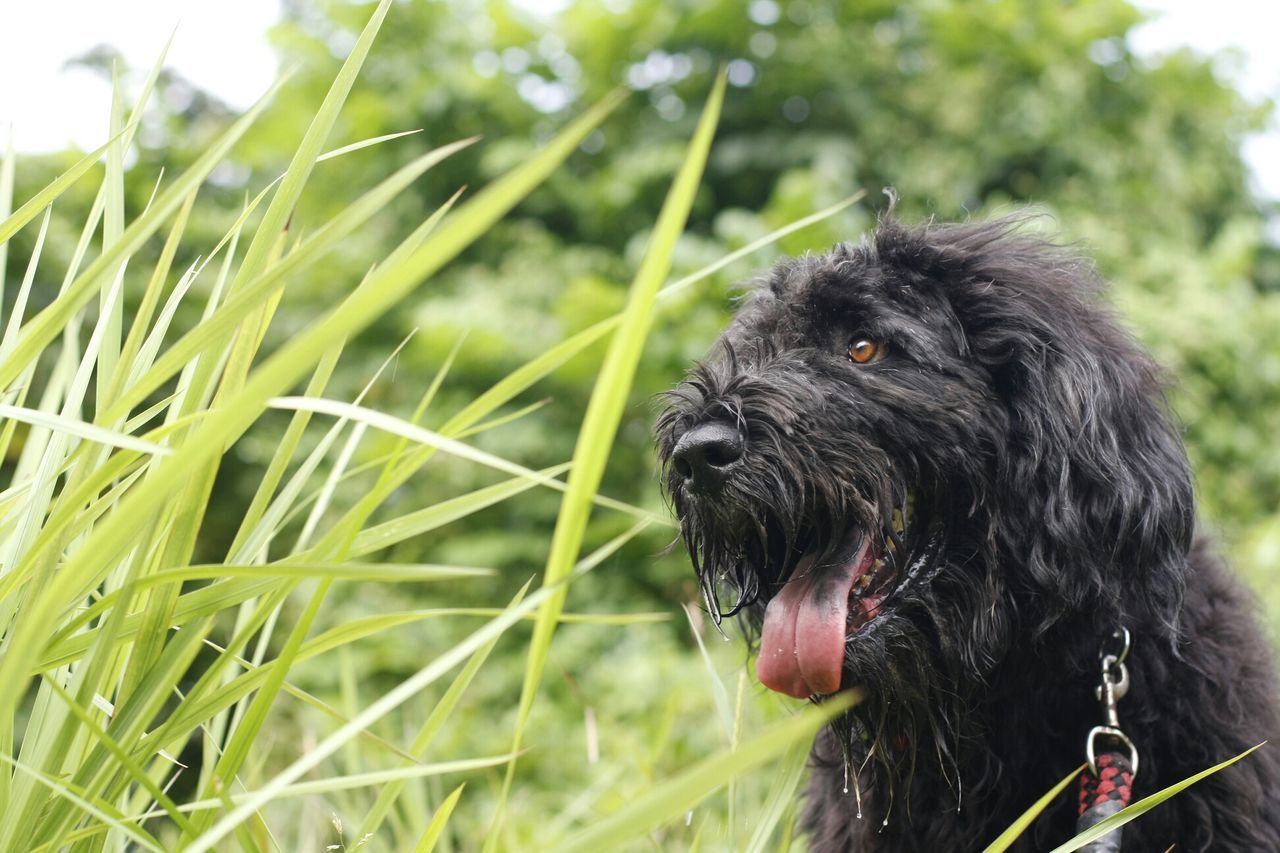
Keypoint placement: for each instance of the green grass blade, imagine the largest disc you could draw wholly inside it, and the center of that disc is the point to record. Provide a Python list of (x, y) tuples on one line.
[(325, 499), (309, 148), (365, 143), (1024, 821), (604, 412), (197, 709), (346, 783), (501, 420), (111, 309), (368, 572), (431, 836), (80, 429), (38, 202), (382, 536), (65, 517), (719, 695), (301, 570), (782, 795), (19, 307), (676, 287), (404, 429), (354, 630), (66, 647), (671, 798), (385, 287), (266, 490), (150, 299)]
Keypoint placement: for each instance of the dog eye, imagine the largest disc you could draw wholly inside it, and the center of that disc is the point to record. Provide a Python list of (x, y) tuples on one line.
[(866, 351)]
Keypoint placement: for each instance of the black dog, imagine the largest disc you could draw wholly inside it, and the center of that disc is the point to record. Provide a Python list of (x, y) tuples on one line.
[(934, 467)]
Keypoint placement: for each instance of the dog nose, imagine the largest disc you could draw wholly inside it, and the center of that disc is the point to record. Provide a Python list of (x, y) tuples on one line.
[(704, 454)]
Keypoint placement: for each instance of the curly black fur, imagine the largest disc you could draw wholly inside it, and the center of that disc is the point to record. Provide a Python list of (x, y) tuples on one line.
[(1052, 504)]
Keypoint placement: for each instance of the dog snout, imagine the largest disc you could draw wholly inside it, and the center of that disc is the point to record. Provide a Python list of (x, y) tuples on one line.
[(705, 454)]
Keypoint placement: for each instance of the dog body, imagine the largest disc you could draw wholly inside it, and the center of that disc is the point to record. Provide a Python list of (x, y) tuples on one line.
[(934, 467)]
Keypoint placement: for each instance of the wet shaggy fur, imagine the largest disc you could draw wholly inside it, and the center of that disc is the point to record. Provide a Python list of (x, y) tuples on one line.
[(1053, 504)]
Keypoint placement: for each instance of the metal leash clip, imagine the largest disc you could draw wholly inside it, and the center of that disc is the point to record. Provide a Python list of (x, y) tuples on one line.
[(1113, 687)]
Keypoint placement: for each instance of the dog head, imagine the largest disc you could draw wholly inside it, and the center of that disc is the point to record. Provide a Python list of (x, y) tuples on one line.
[(902, 457)]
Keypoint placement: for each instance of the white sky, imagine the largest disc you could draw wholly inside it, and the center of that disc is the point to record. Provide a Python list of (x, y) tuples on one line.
[(221, 47)]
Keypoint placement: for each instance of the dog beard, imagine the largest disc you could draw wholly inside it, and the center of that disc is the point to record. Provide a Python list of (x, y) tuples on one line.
[(826, 541)]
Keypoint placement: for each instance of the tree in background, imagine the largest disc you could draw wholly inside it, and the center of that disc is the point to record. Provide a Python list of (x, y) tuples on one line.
[(967, 109)]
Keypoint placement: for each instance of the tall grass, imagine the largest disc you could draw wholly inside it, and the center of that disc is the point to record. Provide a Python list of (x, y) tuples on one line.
[(121, 655)]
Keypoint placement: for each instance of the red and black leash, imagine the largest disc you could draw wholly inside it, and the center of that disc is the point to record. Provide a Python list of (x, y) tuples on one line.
[(1102, 794), (1106, 786)]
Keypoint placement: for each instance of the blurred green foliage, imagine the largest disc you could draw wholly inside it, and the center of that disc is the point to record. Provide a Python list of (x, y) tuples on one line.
[(966, 108)]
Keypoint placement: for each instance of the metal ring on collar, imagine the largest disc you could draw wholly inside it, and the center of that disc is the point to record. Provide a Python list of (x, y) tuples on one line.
[(1126, 641)]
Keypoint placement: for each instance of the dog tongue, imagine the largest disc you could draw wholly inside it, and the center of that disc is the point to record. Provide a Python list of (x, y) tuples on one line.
[(802, 642)]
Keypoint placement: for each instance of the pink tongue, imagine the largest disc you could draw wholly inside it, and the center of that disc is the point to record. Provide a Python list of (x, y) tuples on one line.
[(802, 643)]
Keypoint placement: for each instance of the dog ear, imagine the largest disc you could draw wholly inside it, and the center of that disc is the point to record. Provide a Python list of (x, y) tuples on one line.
[(1089, 468)]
